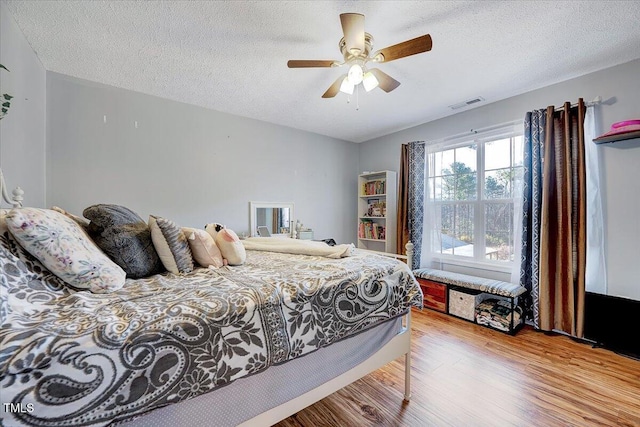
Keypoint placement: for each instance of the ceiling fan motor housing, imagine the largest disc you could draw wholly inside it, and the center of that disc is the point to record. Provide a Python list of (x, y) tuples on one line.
[(362, 56)]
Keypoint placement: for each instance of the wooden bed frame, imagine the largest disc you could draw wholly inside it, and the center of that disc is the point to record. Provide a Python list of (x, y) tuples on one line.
[(399, 345)]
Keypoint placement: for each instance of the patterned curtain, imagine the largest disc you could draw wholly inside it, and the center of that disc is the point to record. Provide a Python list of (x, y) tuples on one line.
[(416, 185), (411, 187), (554, 218), (534, 133)]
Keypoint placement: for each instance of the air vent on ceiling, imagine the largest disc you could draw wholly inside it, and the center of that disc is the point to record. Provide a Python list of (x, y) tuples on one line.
[(466, 103)]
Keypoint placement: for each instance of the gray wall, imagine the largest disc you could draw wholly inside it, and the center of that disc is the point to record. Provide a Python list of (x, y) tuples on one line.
[(620, 89), (22, 131), (196, 165), (190, 164)]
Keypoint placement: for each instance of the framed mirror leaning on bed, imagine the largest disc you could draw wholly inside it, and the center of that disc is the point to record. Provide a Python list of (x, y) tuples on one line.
[(277, 217)]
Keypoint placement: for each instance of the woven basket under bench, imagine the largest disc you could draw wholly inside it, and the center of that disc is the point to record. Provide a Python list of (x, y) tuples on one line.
[(491, 303)]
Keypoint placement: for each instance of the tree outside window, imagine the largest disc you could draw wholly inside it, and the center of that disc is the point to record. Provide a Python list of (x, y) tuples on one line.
[(472, 190)]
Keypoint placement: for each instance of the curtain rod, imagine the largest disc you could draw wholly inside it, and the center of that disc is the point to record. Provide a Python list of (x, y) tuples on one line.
[(481, 130), (596, 101)]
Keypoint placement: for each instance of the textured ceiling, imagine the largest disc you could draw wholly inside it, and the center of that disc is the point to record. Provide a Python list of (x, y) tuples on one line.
[(231, 55)]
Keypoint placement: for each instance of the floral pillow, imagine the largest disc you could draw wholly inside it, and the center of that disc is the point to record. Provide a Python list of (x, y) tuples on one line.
[(24, 282), (59, 244), (82, 222)]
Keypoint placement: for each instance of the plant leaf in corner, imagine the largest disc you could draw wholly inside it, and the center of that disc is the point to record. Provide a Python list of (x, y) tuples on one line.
[(2, 66), (7, 97)]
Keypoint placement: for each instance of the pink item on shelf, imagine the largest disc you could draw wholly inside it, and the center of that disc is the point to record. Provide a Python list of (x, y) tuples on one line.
[(625, 123), (625, 126)]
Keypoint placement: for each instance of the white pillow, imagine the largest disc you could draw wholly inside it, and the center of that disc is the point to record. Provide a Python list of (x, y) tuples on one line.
[(203, 247), (171, 245), (59, 244), (231, 247)]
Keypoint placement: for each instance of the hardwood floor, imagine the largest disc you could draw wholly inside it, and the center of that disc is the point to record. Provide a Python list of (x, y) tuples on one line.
[(467, 375)]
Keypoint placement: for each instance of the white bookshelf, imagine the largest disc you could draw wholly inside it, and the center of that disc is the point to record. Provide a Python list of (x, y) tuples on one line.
[(372, 215)]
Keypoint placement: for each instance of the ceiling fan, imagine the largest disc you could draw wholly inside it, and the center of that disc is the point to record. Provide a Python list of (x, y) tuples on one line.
[(355, 47)]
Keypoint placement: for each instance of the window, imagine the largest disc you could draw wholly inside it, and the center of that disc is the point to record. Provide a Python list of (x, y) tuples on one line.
[(471, 199)]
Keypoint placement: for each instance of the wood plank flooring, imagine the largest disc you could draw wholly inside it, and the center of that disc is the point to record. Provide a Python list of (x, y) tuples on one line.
[(467, 375)]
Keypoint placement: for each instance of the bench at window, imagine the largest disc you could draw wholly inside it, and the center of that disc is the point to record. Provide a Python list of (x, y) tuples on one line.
[(487, 302)]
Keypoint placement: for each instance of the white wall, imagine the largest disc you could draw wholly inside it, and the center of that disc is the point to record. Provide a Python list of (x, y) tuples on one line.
[(191, 164), (22, 131), (620, 89)]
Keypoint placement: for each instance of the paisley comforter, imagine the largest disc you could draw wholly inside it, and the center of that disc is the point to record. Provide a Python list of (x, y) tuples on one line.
[(77, 358)]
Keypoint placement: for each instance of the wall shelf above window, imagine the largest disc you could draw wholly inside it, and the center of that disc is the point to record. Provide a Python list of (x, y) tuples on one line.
[(615, 138)]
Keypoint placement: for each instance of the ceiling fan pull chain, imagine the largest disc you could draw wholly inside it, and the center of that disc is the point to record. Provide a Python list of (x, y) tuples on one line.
[(357, 97)]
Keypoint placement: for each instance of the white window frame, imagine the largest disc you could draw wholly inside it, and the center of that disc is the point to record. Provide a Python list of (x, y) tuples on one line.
[(478, 138)]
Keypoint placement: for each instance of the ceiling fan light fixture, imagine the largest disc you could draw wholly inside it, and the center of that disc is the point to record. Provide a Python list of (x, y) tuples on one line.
[(347, 86), (369, 81), (355, 74)]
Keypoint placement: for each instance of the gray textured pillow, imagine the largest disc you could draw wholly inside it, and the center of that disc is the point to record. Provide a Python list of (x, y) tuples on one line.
[(104, 216), (125, 238)]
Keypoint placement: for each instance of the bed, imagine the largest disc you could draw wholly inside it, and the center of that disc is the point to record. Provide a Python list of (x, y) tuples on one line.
[(245, 345)]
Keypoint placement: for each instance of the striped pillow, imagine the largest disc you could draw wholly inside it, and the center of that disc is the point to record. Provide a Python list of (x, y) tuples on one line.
[(171, 244)]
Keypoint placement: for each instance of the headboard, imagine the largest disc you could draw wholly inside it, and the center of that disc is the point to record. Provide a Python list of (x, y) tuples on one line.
[(16, 199)]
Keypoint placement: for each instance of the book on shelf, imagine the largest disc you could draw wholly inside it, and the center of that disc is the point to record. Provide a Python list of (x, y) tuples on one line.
[(371, 188), (371, 230)]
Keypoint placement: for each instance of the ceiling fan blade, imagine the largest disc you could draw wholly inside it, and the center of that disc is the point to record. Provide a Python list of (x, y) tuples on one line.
[(410, 47), (334, 88), (353, 29), (303, 63), (385, 81)]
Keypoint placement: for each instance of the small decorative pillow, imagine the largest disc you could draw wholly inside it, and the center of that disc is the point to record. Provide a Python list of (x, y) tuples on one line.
[(213, 229), (231, 247), (203, 247), (59, 244), (125, 238), (171, 245)]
